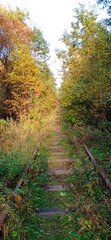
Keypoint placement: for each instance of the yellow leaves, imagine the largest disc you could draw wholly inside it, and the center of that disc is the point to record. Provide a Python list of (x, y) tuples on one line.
[(2, 68), (29, 82), (17, 197)]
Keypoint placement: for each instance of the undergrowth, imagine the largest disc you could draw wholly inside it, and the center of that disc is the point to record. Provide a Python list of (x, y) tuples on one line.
[(97, 138), (89, 202), (19, 145), (93, 200)]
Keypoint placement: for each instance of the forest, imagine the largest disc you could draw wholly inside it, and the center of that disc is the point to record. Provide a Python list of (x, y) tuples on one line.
[(44, 130), (25, 78)]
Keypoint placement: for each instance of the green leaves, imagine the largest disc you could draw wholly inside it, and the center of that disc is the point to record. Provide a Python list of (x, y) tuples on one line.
[(39, 46), (87, 76)]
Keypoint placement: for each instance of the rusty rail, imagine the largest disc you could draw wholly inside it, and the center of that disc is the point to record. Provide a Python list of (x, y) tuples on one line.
[(90, 155), (4, 214), (20, 183), (99, 169)]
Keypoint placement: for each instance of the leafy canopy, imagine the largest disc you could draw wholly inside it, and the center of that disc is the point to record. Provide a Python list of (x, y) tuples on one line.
[(86, 89)]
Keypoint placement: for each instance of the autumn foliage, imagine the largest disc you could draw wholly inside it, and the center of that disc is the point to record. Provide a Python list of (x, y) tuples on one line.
[(26, 83)]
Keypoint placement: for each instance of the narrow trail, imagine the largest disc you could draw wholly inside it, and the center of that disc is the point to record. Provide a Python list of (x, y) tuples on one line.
[(59, 166)]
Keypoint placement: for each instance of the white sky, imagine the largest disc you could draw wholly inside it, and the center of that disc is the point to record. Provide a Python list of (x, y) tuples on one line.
[(52, 17)]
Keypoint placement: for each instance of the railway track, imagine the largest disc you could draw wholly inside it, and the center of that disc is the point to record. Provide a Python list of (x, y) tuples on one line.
[(15, 194), (57, 156), (99, 169)]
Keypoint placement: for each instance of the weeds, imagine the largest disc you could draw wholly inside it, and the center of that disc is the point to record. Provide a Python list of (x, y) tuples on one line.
[(93, 202), (89, 203), (19, 144)]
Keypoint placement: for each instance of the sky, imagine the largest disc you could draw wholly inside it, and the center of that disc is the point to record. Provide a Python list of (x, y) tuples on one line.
[(52, 17)]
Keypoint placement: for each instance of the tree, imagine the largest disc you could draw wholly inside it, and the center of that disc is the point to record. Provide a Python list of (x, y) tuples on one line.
[(86, 90), (26, 83), (106, 4), (23, 83), (13, 30), (39, 46)]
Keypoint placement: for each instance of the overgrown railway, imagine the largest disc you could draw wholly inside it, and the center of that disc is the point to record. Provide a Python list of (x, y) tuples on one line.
[(62, 166)]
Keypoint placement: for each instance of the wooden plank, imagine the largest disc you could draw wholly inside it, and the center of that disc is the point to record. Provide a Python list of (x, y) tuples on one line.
[(63, 160), (58, 153), (55, 147), (60, 172), (56, 188), (50, 212)]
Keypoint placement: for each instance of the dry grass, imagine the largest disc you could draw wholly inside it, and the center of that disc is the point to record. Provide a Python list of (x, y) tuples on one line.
[(26, 135), (18, 144)]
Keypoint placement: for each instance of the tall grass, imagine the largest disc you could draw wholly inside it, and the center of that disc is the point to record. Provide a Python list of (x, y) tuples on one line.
[(18, 144)]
